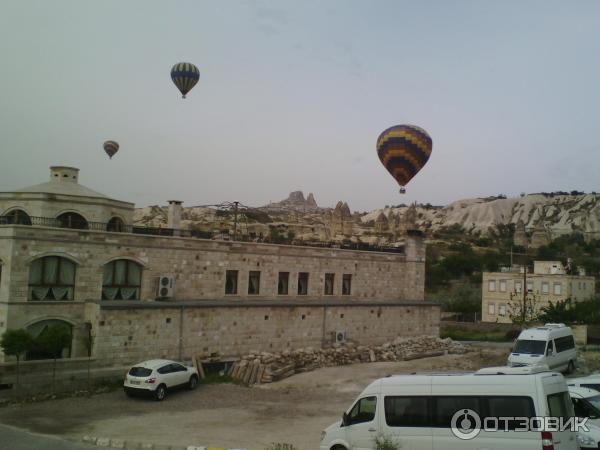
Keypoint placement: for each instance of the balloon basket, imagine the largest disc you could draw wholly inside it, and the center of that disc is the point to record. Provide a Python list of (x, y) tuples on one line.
[(403, 190)]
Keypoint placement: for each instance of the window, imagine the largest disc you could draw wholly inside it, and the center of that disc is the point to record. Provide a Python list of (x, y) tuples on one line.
[(15, 217), (347, 284), (254, 282), (502, 285), (363, 411), (38, 331), (564, 343), (406, 411), (282, 284), (502, 310), (122, 280), (51, 278), (517, 286), (116, 225), (560, 405), (329, 278), (303, 283), (529, 286), (510, 407), (231, 281), (72, 220), (545, 287), (140, 372), (491, 285), (557, 289), (491, 309), (445, 407)]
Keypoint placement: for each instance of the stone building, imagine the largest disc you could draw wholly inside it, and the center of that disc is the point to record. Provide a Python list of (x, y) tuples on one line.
[(502, 292), (70, 255)]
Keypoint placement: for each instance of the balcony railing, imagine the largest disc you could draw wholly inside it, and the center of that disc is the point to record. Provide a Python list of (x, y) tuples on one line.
[(160, 231)]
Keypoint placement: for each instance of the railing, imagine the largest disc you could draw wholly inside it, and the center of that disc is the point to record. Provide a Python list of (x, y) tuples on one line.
[(199, 234)]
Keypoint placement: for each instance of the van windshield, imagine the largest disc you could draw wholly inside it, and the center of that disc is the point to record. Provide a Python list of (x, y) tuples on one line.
[(530, 347)]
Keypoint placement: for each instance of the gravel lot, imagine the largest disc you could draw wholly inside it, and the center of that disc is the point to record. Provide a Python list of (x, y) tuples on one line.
[(294, 410)]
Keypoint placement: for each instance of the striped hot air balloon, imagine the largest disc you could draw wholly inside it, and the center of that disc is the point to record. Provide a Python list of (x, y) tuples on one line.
[(185, 76), (111, 147), (404, 150)]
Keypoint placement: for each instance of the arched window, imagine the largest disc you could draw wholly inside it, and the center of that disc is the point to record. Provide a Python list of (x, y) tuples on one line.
[(122, 280), (16, 217), (72, 220), (115, 224), (38, 331), (51, 278)]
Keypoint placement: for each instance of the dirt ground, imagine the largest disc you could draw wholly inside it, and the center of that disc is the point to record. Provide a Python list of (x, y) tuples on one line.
[(294, 410)]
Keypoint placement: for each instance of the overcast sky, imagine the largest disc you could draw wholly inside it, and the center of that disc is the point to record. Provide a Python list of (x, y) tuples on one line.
[(293, 94)]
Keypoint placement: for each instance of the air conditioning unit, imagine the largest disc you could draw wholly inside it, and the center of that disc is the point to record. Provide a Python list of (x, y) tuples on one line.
[(166, 287), (340, 337)]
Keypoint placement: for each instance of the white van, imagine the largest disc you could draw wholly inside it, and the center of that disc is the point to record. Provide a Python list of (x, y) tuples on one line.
[(552, 345), (416, 411)]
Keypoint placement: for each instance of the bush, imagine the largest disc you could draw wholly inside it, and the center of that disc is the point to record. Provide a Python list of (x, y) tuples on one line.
[(383, 442)]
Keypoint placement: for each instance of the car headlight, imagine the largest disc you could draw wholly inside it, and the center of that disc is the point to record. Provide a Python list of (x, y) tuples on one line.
[(585, 440), (323, 434)]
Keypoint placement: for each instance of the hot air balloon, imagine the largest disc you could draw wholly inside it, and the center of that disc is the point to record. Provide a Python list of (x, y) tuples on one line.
[(111, 147), (185, 76), (404, 150)]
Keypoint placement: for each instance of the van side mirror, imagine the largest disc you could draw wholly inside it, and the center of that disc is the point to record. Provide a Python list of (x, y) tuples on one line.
[(344, 420)]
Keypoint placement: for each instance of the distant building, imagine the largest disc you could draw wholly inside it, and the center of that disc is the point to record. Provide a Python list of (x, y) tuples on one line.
[(549, 282)]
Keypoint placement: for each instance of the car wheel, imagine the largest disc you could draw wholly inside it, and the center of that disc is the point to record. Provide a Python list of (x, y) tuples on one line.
[(127, 393), (571, 367), (193, 382), (160, 393), (338, 447)]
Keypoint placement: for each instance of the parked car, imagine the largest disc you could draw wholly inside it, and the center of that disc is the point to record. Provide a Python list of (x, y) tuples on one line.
[(552, 345), (157, 376), (417, 411), (590, 382), (586, 403)]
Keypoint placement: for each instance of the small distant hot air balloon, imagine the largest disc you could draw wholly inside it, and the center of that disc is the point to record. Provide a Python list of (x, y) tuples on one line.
[(111, 147), (185, 76), (404, 150)]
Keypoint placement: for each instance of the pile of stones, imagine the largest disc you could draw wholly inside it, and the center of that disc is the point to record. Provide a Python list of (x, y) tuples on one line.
[(268, 367)]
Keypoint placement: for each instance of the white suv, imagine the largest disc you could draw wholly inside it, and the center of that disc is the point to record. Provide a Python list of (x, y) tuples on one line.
[(156, 376)]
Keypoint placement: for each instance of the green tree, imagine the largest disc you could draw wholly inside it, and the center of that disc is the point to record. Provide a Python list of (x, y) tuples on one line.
[(523, 310), (15, 343), (54, 340)]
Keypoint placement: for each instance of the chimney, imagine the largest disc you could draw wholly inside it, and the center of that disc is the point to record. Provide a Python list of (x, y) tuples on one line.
[(64, 174), (174, 216)]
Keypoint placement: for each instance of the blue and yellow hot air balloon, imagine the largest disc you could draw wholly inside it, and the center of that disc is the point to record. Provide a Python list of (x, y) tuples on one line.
[(185, 76), (404, 150)]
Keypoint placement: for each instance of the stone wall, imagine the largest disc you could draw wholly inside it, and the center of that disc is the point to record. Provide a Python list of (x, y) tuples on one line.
[(199, 266), (130, 333)]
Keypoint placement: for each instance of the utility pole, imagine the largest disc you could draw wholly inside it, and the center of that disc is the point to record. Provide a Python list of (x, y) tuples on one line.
[(235, 219)]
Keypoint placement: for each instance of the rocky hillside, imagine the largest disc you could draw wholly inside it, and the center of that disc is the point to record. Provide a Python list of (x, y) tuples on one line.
[(559, 214), (555, 214)]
